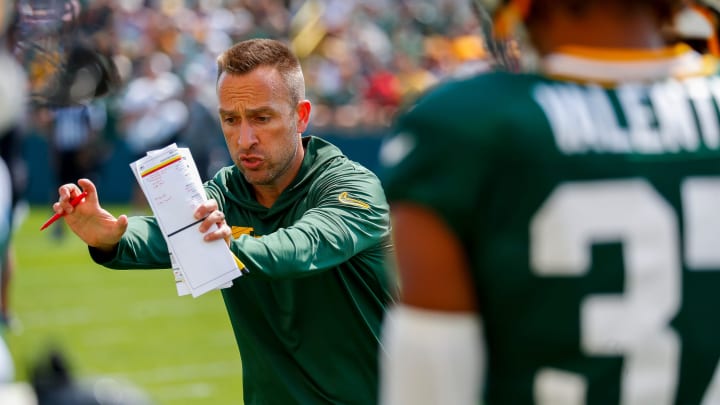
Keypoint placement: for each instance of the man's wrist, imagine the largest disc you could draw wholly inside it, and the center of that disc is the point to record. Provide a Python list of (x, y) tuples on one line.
[(106, 248), (103, 254)]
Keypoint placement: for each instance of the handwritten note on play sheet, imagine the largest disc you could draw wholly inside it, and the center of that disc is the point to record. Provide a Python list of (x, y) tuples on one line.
[(173, 188)]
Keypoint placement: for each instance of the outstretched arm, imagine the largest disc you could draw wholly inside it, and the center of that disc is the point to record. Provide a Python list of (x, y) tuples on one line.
[(88, 220), (433, 341), (118, 244), (347, 214)]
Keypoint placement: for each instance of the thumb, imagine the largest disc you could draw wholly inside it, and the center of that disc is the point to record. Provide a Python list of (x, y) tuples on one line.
[(122, 223)]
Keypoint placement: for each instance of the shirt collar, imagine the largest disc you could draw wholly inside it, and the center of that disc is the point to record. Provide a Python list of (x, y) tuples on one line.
[(599, 65)]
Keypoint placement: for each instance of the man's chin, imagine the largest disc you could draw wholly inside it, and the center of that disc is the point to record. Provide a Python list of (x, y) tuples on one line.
[(255, 178)]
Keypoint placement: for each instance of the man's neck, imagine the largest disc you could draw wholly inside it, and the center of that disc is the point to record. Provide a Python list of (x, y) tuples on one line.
[(598, 27)]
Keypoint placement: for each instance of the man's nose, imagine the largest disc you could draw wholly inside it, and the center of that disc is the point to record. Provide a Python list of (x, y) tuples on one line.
[(246, 136)]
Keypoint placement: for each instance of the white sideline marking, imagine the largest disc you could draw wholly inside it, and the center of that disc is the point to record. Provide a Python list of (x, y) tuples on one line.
[(50, 318), (186, 372), (184, 381)]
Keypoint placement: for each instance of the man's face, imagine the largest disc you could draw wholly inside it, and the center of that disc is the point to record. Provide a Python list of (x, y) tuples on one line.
[(261, 127)]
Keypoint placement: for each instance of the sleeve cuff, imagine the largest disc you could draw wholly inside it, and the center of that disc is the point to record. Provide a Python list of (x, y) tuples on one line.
[(101, 256)]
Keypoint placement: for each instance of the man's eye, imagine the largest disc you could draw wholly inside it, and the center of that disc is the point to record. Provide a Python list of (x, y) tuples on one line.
[(262, 118), (229, 120)]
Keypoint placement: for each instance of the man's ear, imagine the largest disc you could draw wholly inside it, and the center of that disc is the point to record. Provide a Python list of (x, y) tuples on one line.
[(303, 115)]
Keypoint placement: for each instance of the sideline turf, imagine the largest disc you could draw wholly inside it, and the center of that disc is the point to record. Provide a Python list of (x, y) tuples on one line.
[(125, 324)]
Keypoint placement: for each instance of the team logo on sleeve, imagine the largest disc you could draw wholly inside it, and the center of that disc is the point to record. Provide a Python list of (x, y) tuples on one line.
[(344, 199), (237, 231)]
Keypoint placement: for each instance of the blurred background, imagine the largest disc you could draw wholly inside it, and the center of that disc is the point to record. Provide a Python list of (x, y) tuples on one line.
[(363, 61)]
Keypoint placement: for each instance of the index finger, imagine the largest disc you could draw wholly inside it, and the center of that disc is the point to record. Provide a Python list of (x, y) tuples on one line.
[(205, 209), (68, 191)]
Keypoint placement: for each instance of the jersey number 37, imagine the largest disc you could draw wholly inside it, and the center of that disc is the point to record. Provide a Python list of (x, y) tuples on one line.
[(636, 323)]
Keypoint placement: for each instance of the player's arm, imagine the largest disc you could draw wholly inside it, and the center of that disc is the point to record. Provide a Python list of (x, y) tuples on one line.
[(349, 214), (432, 339)]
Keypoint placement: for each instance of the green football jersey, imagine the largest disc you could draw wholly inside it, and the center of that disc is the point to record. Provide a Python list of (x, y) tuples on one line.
[(587, 200)]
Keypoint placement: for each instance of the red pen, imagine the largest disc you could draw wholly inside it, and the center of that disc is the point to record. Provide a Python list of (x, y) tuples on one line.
[(74, 202)]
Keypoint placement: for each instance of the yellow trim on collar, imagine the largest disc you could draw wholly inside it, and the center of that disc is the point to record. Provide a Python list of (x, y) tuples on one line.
[(624, 55), (606, 67), (710, 66)]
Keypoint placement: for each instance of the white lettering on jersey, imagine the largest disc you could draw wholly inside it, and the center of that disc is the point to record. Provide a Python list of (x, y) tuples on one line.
[(640, 119), (711, 135), (614, 138), (676, 123), (666, 117)]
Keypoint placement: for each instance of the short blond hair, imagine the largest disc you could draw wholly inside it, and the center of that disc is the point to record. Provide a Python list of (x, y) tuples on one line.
[(246, 56)]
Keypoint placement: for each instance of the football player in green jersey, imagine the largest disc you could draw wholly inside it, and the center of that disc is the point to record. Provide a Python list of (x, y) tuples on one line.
[(557, 231), (311, 226)]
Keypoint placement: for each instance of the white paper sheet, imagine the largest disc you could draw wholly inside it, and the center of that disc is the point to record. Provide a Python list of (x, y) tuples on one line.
[(172, 186)]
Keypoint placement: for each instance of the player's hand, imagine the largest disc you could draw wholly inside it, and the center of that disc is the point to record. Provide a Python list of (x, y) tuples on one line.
[(213, 226), (93, 224)]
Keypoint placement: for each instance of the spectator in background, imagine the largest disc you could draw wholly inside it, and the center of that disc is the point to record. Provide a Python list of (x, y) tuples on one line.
[(336, 40), (13, 96), (311, 226), (153, 113), (202, 134), (556, 230), (381, 95), (71, 133), (7, 368), (72, 136), (11, 156), (12, 129), (34, 33)]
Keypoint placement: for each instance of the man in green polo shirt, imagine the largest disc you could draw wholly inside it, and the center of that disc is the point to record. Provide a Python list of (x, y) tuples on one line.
[(311, 226)]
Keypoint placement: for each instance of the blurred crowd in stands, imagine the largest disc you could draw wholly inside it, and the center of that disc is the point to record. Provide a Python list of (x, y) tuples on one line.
[(363, 59)]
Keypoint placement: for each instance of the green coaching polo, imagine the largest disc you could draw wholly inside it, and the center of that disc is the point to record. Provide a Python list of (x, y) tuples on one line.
[(307, 317)]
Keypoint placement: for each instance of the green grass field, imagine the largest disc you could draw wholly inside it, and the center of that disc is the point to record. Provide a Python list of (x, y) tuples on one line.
[(125, 324)]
